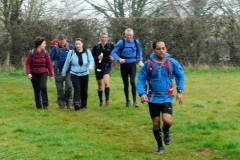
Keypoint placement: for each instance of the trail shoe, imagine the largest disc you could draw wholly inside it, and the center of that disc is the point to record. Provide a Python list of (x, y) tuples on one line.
[(160, 150), (128, 104), (167, 138), (135, 104), (108, 103), (45, 107), (100, 104), (69, 105)]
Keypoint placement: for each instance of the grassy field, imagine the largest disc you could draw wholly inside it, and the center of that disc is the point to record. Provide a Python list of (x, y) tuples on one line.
[(205, 127)]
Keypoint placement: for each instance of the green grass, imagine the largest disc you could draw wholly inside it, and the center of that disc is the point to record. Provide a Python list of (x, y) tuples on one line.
[(206, 126)]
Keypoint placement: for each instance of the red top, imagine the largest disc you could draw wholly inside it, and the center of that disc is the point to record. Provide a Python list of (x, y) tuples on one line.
[(40, 63)]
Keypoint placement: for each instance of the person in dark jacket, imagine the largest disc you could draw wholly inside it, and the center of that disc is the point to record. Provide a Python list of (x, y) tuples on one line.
[(103, 59), (58, 55), (38, 66), (159, 72), (127, 59)]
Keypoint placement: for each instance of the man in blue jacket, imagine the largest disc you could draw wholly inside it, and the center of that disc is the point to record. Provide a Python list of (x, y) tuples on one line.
[(130, 50), (58, 56), (159, 72)]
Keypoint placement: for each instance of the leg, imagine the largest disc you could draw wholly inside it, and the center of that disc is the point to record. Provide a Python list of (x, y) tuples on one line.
[(100, 92), (84, 91), (59, 86), (68, 90), (43, 89), (124, 75), (35, 84), (76, 86), (167, 122), (132, 82), (154, 110), (106, 78), (99, 77)]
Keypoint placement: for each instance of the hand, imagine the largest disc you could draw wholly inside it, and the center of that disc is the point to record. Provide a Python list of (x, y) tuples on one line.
[(90, 69), (100, 57), (144, 98), (122, 60), (111, 58), (30, 76), (50, 78), (140, 63), (179, 98)]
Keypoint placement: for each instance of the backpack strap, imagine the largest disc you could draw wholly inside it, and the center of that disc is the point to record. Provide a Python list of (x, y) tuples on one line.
[(98, 47), (123, 46), (167, 66), (57, 48), (33, 51), (150, 68)]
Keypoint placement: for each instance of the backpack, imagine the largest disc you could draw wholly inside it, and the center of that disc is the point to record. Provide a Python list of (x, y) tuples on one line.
[(98, 46), (167, 66), (123, 46), (53, 42), (33, 51)]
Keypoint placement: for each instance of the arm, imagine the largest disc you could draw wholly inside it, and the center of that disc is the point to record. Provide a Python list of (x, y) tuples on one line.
[(139, 53), (67, 62), (90, 60), (28, 65), (94, 53), (141, 82), (116, 49), (179, 78), (49, 65)]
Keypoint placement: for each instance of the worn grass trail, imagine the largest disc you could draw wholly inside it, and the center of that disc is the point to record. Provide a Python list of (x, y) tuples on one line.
[(206, 126)]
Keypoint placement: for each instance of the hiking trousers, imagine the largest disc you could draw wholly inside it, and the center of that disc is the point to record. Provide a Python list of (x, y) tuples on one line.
[(64, 89), (129, 70), (80, 86), (39, 83)]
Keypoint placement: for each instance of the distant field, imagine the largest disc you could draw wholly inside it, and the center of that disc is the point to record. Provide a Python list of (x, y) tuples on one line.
[(205, 127)]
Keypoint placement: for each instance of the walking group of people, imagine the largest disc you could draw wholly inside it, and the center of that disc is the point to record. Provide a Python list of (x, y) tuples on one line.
[(70, 66)]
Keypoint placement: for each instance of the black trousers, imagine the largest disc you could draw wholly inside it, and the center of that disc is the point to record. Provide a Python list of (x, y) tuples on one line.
[(129, 69), (39, 83), (80, 86)]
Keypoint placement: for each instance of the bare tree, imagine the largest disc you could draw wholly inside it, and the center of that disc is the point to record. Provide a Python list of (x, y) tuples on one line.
[(123, 8)]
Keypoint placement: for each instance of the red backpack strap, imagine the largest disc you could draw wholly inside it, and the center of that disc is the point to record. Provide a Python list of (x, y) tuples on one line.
[(67, 47), (167, 66), (150, 67)]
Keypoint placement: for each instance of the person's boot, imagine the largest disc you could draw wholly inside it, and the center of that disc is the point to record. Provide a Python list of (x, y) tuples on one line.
[(76, 106)]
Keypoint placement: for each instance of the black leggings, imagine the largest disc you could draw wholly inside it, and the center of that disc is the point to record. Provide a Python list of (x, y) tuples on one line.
[(80, 86), (129, 69), (39, 83)]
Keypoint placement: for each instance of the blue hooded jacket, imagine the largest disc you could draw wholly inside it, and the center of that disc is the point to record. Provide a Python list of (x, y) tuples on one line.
[(159, 80)]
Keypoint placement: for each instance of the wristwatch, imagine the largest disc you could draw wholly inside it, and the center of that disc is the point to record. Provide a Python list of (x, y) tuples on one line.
[(179, 91)]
